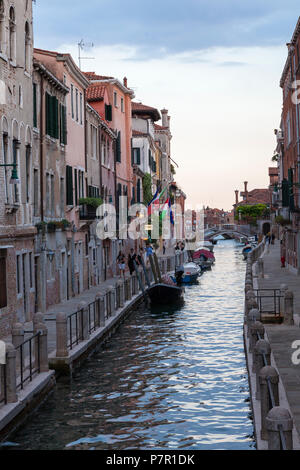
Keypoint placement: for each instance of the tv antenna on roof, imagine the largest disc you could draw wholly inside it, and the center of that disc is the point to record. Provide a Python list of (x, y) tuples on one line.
[(81, 47)]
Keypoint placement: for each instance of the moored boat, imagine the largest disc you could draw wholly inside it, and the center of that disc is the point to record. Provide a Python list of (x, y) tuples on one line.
[(191, 273), (165, 294)]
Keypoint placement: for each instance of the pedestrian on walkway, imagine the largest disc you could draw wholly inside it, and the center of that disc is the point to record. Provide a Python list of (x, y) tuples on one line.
[(164, 247), (283, 261), (121, 264), (131, 258), (273, 238)]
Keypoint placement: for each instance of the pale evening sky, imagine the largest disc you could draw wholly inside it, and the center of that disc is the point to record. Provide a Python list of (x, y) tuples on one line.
[(215, 65)]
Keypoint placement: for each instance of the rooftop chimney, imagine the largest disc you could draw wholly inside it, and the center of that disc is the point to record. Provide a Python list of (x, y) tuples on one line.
[(164, 117), (236, 196), (246, 190), (125, 82)]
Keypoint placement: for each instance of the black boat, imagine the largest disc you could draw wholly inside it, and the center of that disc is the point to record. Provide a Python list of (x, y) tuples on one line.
[(165, 294)]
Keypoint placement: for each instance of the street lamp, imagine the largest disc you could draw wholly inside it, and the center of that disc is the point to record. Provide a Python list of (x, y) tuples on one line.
[(14, 179)]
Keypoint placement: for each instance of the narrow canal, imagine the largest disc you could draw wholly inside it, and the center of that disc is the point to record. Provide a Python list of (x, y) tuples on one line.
[(168, 379)]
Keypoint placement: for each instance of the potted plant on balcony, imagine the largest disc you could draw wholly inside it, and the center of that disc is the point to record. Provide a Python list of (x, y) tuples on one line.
[(89, 207)]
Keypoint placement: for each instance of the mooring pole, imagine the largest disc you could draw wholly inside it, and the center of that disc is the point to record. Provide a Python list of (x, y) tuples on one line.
[(153, 269), (157, 267)]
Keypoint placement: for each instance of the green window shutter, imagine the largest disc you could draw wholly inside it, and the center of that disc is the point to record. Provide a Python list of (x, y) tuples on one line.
[(291, 189), (47, 98), (65, 141), (61, 125), (69, 185), (138, 156), (108, 112), (118, 147), (34, 106), (76, 186)]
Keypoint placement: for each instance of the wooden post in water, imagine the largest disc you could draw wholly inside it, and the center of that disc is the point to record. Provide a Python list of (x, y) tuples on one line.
[(153, 269), (157, 267)]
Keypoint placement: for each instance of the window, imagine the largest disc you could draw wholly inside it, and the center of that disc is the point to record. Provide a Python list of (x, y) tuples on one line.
[(288, 129), (35, 192), (69, 185), (118, 147), (76, 104), (2, 27), (108, 112), (27, 47), (63, 124), (115, 99), (30, 271), (12, 35), (18, 274), (28, 172), (48, 195), (81, 102), (20, 96), (3, 284), (52, 126), (93, 141), (15, 160), (76, 186), (34, 106), (122, 105), (62, 197), (136, 156), (5, 150), (138, 191), (52, 190), (72, 101)]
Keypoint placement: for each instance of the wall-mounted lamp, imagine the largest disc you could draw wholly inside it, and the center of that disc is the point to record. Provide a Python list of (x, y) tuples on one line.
[(50, 255), (14, 179)]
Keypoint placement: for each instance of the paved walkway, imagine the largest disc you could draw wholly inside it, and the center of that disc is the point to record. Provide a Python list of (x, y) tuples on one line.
[(281, 337), (70, 306)]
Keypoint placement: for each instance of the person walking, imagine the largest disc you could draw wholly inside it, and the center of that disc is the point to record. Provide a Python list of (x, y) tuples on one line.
[(273, 238), (121, 264), (164, 247), (131, 258)]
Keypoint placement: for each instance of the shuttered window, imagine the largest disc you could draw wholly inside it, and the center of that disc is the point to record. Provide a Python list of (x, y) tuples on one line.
[(69, 186), (34, 106), (52, 126), (291, 189), (76, 186), (118, 147), (63, 124), (108, 112)]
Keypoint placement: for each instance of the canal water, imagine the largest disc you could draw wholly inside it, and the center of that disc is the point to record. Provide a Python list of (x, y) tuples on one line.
[(167, 379)]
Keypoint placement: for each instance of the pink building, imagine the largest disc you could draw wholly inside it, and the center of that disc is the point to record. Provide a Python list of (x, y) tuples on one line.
[(65, 69)]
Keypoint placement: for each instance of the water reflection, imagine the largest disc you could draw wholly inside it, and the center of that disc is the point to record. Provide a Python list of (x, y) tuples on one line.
[(168, 379)]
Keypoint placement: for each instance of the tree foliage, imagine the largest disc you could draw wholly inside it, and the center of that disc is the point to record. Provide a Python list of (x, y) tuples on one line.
[(250, 213), (147, 189)]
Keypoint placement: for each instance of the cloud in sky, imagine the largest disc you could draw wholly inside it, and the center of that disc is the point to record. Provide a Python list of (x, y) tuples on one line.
[(167, 26)]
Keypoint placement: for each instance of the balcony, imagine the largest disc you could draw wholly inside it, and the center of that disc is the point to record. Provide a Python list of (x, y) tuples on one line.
[(88, 208)]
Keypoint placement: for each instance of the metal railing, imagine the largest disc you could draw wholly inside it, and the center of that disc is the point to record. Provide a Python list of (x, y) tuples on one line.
[(28, 360), (75, 328), (94, 322), (269, 301)]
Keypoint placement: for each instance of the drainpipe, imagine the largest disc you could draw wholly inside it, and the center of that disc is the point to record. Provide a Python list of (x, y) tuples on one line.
[(42, 148)]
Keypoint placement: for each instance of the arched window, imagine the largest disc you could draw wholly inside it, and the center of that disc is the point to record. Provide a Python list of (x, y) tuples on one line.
[(2, 27), (27, 47), (12, 35)]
